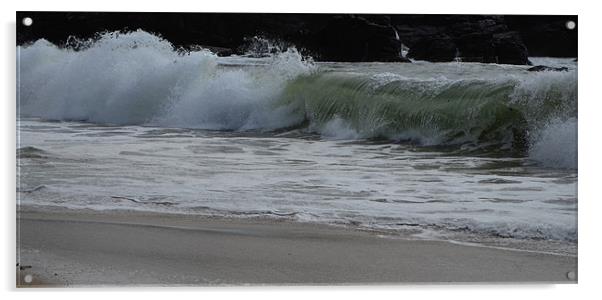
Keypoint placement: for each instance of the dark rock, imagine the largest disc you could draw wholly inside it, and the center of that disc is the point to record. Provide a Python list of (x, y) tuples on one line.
[(509, 49), (353, 39), (325, 36), (546, 68), (474, 38), (436, 49), (546, 35), (331, 37), (476, 47)]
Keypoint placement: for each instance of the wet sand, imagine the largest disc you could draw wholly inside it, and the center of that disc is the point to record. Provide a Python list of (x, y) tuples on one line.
[(90, 248)]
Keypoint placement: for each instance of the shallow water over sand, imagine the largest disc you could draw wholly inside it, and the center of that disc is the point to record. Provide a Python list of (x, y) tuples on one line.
[(419, 191)]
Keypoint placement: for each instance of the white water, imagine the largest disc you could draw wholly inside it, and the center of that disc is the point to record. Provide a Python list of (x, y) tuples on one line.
[(137, 78), (555, 145), (375, 186), (148, 160)]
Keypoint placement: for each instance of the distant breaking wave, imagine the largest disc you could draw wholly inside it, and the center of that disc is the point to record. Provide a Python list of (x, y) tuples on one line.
[(139, 79)]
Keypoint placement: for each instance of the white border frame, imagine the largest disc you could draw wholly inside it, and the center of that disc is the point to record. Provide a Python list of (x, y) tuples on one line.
[(589, 146)]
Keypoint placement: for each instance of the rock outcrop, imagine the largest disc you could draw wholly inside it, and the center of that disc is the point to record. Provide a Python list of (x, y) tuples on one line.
[(471, 38), (546, 36), (331, 37), (437, 48), (353, 39)]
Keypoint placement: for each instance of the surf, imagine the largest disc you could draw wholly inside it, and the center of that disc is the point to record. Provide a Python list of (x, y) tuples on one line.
[(138, 78)]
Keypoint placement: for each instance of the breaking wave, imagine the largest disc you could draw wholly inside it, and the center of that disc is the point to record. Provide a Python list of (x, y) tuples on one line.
[(139, 78), (556, 144)]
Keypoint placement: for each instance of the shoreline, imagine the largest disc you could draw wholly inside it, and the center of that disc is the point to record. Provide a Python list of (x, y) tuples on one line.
[(549, 247), (88, 248)]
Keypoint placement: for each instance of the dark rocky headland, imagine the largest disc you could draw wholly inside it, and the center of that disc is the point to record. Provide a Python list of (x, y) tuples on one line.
[(508, 39)]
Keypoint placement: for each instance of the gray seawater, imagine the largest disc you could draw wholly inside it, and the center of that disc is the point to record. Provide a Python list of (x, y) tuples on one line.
[(418, 150)]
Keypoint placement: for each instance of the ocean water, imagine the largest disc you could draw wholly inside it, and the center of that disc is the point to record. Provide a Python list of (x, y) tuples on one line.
[(468, 152)]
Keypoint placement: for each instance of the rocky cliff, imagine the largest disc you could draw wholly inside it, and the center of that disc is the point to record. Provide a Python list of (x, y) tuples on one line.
[(331, 37)]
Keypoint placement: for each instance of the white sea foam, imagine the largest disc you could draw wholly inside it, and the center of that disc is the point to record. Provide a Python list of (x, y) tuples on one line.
[(138, 78), (545, 96), (555, 144), (375, 186), (549, 101), (338, 129)]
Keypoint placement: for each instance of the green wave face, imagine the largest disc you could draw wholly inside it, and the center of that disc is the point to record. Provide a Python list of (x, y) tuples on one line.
[(427, 112)]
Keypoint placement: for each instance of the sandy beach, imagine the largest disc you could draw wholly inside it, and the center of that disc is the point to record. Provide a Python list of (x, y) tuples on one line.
[(89, 248)]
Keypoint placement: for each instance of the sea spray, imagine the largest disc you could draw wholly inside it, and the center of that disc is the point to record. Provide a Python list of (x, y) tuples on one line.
[(236, 98), (549, 100), (138, 78), (555, 144), (338, 129)]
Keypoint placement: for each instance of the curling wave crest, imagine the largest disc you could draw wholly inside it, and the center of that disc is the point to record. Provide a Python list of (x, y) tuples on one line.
[(138, 78)]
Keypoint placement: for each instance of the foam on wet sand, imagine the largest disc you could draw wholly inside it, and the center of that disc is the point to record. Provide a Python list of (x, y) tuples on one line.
[(85, 248)]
